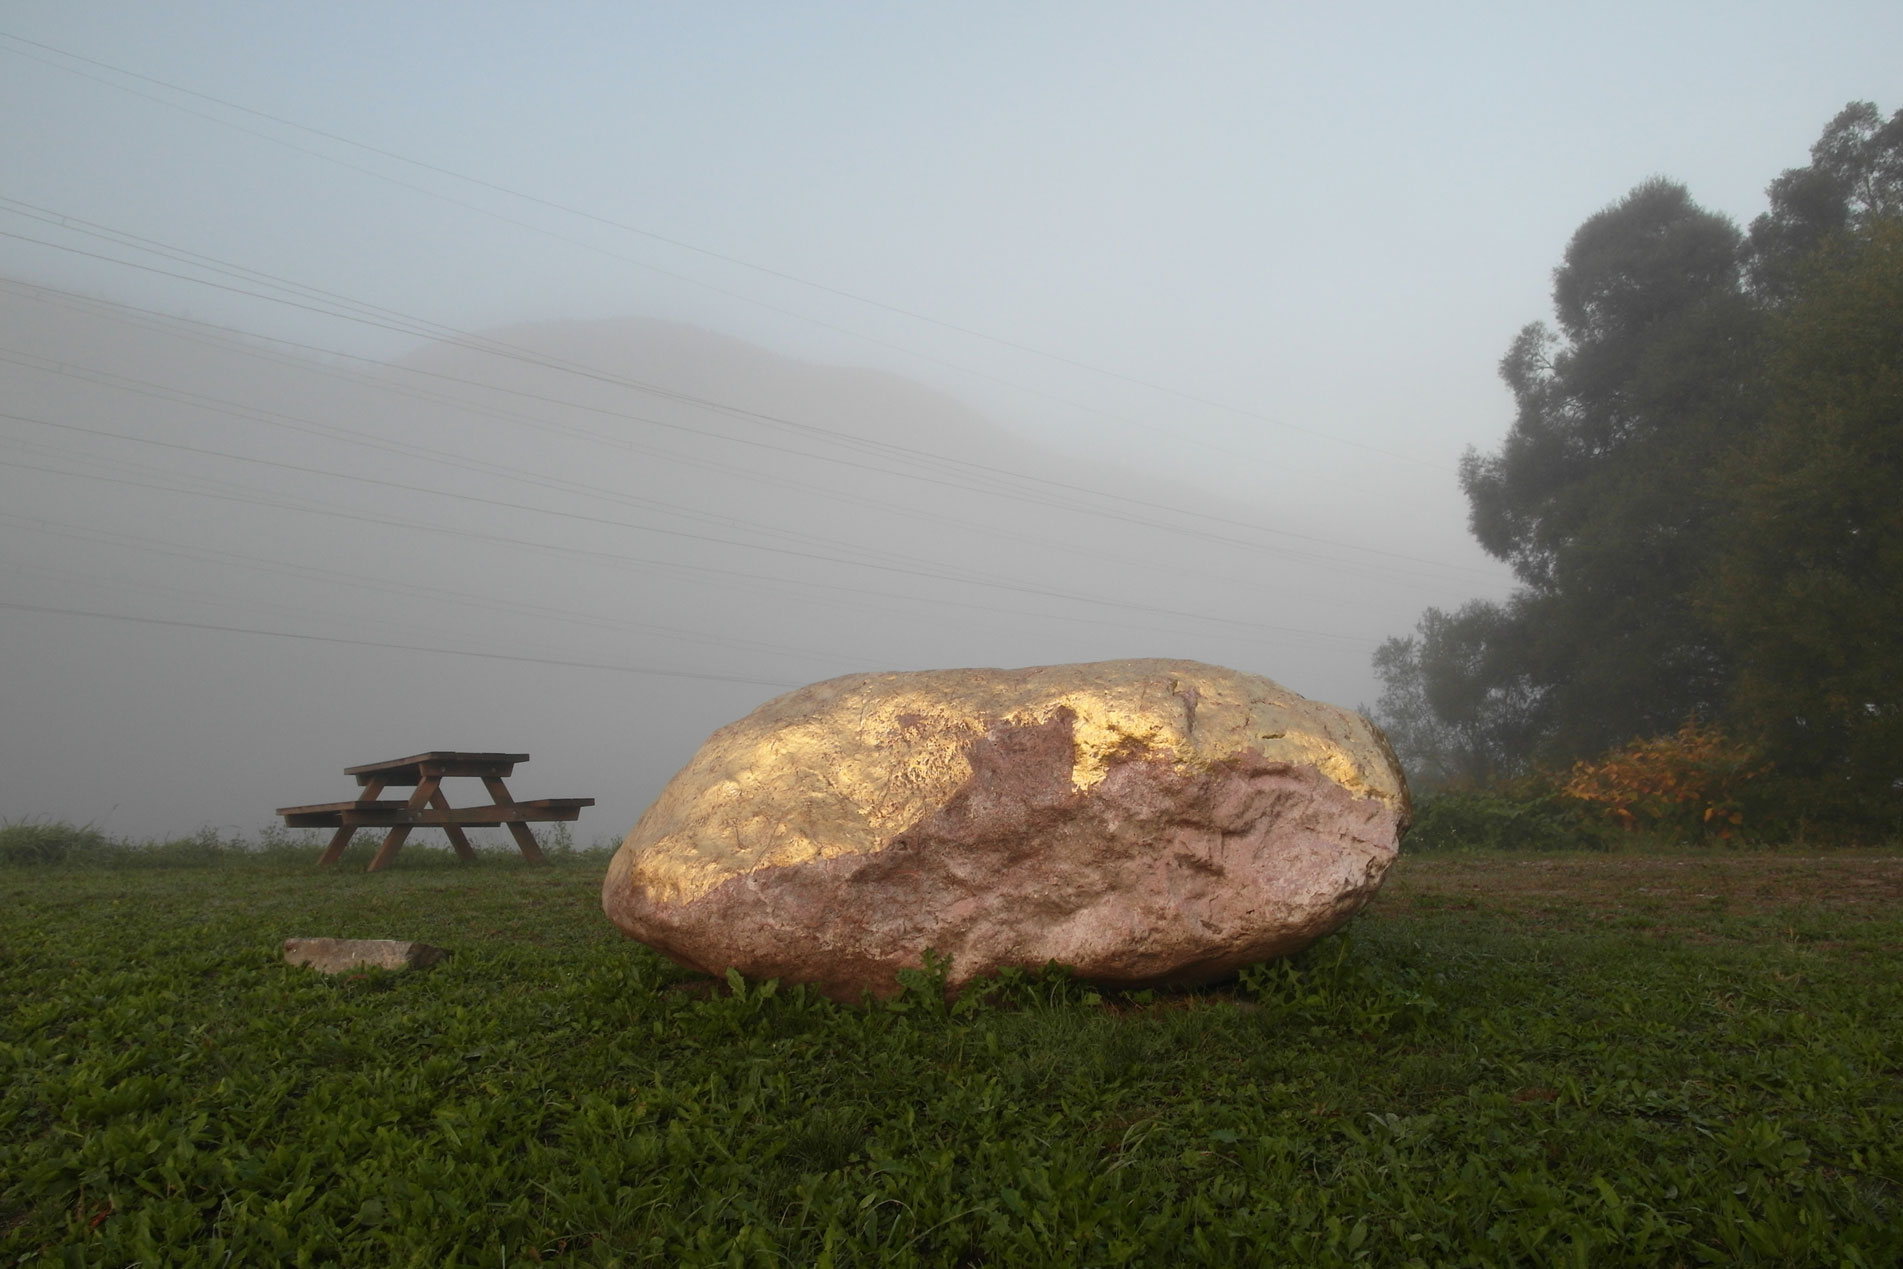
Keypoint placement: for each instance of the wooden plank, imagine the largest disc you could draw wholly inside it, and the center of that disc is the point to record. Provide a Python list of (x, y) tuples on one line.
[(443, 762), (456, 836), (490, 816), (340, 839), (370, 806), (345, 817), (392, 843), (393, 840), (440, 755), (323, 819), (386, 814), (360, 804), (524, 839), (526, 843)]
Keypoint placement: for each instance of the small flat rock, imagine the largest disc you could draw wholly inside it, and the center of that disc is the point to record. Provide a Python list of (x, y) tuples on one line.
[(339, 956)]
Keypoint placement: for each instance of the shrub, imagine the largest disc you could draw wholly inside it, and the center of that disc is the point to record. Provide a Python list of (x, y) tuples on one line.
[(1520, 817), (1684, 786)]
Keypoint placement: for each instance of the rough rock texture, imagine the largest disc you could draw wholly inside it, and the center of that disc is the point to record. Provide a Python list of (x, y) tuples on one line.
[(1143, 822), (337, 956)]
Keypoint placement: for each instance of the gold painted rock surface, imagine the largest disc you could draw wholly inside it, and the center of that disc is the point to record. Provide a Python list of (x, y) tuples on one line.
[(1143, 822)]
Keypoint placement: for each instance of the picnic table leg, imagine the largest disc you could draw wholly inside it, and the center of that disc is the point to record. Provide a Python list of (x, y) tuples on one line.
[(425, 790), (392, 843), (335, 851), (455, 834), (341, 838), (524, 839), (525, 842)]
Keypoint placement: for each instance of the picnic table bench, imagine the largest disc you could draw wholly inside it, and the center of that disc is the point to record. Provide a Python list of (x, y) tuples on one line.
[(428, 808)]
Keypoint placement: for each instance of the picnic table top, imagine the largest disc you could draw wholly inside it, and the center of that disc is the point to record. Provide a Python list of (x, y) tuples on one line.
[(450, 763)]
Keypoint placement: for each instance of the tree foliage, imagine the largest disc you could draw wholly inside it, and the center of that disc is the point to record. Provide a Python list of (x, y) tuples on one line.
[(1456, 714), (1645, 379), (1854, 179), (1809, 586), (1697, 495)]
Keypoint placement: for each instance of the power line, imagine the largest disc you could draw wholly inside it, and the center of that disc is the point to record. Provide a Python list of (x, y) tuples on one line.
[(146, 542), (162, 392), (401, 647), (409, 487), (351, 436), (156, 391), (668, 273), (1009, 483), (423, 328), (695, 571), (709, 253)]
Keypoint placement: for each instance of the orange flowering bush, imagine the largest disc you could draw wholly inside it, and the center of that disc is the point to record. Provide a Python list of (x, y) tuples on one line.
[(1688, 784)]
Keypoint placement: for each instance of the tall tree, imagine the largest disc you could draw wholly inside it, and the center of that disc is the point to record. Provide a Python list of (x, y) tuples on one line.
[(1600, 497), (1699, 492), (1456, 704), (1855, 177), (1809, 587)]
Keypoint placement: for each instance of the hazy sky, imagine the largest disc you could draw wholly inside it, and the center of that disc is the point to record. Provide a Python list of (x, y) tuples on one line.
[(1266, 253)]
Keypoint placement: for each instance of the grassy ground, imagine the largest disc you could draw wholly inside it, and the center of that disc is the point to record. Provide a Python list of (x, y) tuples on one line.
[(1509, 1059)]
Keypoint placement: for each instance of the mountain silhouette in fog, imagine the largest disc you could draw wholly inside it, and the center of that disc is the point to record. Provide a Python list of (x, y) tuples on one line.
[(641, 527), (615, 354)]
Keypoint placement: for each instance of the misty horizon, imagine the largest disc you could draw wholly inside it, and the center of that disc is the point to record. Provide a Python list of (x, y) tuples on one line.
[(588, 524), (573, 391)]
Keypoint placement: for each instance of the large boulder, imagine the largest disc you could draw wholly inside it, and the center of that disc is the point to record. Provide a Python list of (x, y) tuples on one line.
[(1142, 822)]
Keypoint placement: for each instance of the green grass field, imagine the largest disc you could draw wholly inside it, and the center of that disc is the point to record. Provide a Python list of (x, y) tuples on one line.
[(1586, 1059)]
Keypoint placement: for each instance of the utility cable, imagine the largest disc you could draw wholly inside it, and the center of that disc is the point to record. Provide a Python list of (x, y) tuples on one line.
[(422, 328), (780, 480), (407, 487), (697, 572), (149, 544), (725, 258), (401, 647)]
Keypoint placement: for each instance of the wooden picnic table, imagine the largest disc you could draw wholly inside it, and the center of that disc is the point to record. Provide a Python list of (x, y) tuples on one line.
[(428, 808)]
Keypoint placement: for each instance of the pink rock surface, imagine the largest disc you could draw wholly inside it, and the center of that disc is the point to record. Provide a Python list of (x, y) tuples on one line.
[(1144, 823)]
